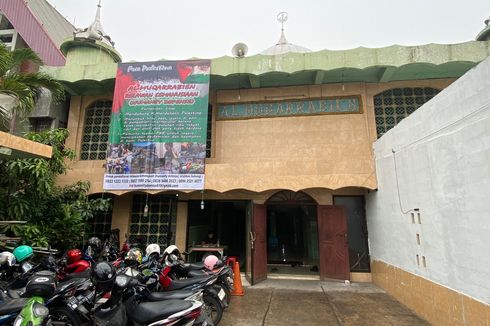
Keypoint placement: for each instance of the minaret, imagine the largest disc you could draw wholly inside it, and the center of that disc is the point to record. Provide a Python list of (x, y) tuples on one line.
[(484, 35), (92, 37)]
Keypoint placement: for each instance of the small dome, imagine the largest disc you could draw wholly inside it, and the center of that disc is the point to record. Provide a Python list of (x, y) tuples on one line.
[(95, 31), (484, 35), (283, 46)]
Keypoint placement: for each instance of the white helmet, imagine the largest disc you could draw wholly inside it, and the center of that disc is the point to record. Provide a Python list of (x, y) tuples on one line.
[(172, 249), (152, 248), (6, 257)]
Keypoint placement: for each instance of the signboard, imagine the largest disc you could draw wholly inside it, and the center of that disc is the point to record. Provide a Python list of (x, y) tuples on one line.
[(157, 136), (289, 108)]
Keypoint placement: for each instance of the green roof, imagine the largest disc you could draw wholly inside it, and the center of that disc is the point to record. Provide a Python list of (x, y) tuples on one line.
[(386, 64)]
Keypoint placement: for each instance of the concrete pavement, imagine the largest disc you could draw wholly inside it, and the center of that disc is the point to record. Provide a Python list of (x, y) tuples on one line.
[(293, 302)]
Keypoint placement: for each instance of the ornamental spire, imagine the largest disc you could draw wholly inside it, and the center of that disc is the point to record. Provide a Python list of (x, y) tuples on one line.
[(95, 30), (283, 46), (282, 17)]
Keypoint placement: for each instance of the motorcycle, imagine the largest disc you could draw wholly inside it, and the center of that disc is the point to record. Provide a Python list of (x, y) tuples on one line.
[(214, 297), (169, 312), (40, 287), (181, 270)]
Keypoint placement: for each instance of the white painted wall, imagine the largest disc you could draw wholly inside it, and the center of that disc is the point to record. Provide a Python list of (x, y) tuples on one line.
[(442, 154)]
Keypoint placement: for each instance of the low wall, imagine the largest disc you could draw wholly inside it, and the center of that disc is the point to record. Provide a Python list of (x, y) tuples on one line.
[(437, 304)]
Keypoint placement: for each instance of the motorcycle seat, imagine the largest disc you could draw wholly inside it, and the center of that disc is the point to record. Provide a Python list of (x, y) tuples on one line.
[(12, 305), (84, 274), (160, 296), (149, 312), (16, 293), (194, 273), (194, 266), (180, 284)]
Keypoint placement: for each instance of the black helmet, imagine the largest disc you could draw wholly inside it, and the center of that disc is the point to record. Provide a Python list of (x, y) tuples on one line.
[(103, 275), (94, 242)]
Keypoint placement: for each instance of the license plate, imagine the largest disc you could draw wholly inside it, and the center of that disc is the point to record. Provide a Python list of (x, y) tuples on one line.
[(221, 294)]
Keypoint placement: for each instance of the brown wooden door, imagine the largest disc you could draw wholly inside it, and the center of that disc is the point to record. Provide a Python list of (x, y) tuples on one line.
[(332, 242), (259, 243)]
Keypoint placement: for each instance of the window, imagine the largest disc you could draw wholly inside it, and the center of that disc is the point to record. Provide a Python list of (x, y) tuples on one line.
[(40, 124), (209, 132), (158, 225), (393, 105), (96, 131), (100, 225)]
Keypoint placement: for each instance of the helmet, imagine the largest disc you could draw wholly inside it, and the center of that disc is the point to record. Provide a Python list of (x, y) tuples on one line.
[(172, 250), (171, 260), (94, 242), (22, 253), (152, 248), (7, 257), (103, 275), (73, 255), (133, 256), (210, 262)]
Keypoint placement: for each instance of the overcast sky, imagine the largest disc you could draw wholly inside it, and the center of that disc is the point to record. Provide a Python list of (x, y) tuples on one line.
[(147, 30)]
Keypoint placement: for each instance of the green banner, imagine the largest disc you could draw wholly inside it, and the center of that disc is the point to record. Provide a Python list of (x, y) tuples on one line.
[(289, 108), (157, 137)]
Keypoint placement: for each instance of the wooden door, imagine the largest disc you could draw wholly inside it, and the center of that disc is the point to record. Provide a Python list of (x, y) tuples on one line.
[(332, 242), (248, 242), (258, 238)]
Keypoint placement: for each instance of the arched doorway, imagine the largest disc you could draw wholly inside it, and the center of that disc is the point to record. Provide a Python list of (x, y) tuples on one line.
[(292, 234)]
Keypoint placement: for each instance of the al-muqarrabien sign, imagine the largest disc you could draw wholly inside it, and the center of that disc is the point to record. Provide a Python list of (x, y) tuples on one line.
[(289, 108)]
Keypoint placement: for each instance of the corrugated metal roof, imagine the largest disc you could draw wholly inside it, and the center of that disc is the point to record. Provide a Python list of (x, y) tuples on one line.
[(33, 31), (58, 28)]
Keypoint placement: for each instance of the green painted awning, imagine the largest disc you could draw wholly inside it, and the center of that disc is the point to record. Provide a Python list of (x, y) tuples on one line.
[(391, 63)]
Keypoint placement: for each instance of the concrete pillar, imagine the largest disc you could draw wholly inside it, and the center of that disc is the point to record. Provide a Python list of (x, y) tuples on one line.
[(121, 213), (181, 226)]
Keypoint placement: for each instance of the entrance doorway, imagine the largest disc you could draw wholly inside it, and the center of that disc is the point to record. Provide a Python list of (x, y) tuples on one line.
[(225, 219), (292, 235)]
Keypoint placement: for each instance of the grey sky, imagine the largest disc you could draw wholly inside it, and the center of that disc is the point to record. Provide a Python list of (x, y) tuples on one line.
[(156, 29)]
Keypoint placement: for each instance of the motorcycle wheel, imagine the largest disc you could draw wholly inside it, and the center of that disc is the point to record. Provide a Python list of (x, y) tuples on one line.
[(228, 294), (64, 316), (213, 309)]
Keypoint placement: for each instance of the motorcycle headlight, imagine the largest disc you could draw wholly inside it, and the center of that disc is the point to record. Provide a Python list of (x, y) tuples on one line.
[(18, 320), (122, 281), (40, 311)]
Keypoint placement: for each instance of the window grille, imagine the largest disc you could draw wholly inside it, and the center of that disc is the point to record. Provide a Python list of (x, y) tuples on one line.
[(209, 132), (158, 225), (96, 131), (100, 225), (393, 105), (40, 124)]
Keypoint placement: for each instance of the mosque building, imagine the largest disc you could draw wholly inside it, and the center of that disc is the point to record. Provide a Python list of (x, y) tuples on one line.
[(285, 193)]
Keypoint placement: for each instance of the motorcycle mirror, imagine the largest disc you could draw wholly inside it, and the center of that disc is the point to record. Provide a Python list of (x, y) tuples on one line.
[(26, 267)]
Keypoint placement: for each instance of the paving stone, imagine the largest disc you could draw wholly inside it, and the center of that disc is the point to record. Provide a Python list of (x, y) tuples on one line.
[(286, 302)]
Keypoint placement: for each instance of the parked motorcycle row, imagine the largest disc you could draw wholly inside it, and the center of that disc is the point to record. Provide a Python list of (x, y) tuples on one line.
[(104, 286)]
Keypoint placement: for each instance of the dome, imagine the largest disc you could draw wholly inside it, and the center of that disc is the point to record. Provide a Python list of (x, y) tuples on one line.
[(484, 35), (283, 46)]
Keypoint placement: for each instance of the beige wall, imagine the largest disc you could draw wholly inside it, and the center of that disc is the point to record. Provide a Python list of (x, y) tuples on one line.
[(297, 153), (121, 213), (437, 304)]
